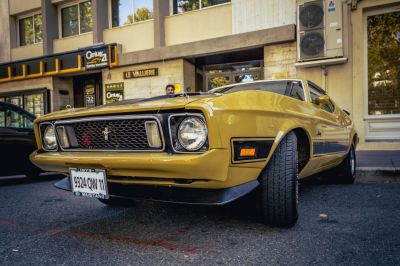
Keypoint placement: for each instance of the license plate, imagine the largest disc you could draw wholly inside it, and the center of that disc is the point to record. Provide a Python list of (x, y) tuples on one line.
[(89, 183)]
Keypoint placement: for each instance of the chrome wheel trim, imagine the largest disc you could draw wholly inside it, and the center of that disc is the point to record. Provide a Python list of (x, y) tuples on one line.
[(352, 162)]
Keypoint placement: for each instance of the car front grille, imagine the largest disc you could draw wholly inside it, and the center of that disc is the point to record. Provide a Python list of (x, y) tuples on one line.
[(110, 133)]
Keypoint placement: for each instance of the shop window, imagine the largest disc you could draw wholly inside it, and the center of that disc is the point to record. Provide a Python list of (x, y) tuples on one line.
[(126, 12), (77, 19), (181, 6), (383, 37), (30, 30)]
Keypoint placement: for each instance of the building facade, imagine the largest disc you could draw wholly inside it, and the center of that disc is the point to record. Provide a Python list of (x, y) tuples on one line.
[(55, 53)]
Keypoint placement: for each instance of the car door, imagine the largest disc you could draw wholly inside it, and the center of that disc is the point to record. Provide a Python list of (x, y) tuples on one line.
[(16, 140), (331, 137)]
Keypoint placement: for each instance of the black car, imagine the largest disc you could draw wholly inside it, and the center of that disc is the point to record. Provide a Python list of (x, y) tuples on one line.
[(17, 141)]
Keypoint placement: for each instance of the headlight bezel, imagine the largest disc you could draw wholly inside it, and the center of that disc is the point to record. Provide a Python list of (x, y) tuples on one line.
[(42, 131), (174, 122)]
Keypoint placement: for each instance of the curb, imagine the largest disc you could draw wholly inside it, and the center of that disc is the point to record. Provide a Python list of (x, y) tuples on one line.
[(378, 174)]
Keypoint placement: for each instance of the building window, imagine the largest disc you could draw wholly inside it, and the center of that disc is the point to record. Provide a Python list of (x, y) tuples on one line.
[(126, 12), (181, 6), (383, 36), (77, 19), (30, 30)]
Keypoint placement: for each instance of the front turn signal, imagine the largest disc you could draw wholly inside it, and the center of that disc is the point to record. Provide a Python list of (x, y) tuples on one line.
[(247, 152)]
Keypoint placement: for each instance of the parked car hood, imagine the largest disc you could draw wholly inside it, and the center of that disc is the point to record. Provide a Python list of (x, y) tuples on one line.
[(157, 103)]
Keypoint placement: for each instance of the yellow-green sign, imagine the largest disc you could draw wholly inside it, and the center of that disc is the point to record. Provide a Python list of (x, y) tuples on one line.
[(114, 92)]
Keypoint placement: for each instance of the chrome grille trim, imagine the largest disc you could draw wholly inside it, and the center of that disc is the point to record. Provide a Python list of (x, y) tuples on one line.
[(113, 118)]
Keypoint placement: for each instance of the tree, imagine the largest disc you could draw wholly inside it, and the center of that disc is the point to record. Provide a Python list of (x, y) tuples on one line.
[(141, 14)]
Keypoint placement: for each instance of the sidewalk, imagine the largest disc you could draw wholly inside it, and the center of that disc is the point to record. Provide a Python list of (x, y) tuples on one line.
[(373, 166)]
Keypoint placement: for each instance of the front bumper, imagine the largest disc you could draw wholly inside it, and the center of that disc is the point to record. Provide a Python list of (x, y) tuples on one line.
[(174, 194), (211, 169)]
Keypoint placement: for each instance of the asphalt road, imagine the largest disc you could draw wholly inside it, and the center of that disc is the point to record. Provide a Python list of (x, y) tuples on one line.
[(338, 225)]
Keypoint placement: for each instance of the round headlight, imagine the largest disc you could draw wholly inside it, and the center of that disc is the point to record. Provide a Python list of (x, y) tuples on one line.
[(192, 133), (49, 138)]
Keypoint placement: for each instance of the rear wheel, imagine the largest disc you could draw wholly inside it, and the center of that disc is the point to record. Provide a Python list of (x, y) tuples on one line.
[(345, 172), (279, 187)]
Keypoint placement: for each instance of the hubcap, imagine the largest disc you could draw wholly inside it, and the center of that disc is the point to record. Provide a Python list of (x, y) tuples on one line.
[(352, 162)]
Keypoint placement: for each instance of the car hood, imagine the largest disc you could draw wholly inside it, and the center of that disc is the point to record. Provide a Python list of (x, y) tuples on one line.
[(131, 106)]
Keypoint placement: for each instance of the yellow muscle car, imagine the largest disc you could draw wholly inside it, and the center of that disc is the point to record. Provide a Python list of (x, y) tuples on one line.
[(202, 148)]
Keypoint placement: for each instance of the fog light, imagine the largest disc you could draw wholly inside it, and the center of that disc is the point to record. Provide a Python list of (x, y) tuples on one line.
[(63, 137), (153, 134)]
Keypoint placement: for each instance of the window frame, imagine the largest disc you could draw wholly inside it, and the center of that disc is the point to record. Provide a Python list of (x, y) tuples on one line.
[(374, 12), (60, 26), (32, 14), (172, 7), (110, 16)]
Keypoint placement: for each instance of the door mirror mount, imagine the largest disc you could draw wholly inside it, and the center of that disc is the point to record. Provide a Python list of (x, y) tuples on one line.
[(347, 112), (321, 100)]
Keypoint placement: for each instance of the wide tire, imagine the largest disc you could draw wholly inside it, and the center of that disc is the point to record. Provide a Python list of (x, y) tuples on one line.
[(279, 186), (117, 202), (345, 172)]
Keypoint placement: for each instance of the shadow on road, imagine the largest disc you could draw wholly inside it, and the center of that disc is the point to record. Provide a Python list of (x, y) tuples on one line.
[(22, 179)]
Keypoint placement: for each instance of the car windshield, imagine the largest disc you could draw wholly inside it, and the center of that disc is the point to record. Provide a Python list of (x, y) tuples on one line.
[(270, 86), (285, 87)]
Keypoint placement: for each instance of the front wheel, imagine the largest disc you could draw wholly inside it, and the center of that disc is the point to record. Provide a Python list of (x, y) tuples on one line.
[(279, 187)]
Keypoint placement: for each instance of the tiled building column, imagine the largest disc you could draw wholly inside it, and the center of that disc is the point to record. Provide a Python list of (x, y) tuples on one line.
[(100, 19), (50, 25), (161, 10), (5, 49)]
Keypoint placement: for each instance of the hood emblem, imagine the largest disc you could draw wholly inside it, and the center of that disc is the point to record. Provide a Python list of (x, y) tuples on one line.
[(106, 133)]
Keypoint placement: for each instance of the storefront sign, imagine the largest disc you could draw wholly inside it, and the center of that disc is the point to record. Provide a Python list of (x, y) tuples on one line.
[(96, 57), (114, 92), (151, 72), (90, 97)]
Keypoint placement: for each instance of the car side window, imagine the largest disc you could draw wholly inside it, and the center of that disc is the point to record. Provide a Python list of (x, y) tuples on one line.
[(315, 92), (2, 118), (296, 91), (14, 119)]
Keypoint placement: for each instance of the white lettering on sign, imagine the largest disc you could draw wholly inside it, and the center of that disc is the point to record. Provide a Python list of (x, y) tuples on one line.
[(90, 55)]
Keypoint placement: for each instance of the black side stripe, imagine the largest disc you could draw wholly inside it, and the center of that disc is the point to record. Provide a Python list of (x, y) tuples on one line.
[(325, 147)]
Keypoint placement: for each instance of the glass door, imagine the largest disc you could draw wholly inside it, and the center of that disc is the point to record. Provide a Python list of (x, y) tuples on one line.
[(383, 33), (225, 74), (382, 74)]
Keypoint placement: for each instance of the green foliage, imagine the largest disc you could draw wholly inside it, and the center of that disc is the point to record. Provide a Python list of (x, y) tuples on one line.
[(143, 14), (384, 63)]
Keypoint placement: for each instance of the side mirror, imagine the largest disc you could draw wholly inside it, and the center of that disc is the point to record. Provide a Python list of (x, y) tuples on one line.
[(347, 112), (321, 100)]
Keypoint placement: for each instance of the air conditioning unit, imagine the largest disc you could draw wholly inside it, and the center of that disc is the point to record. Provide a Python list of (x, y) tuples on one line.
[(319, 30)]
